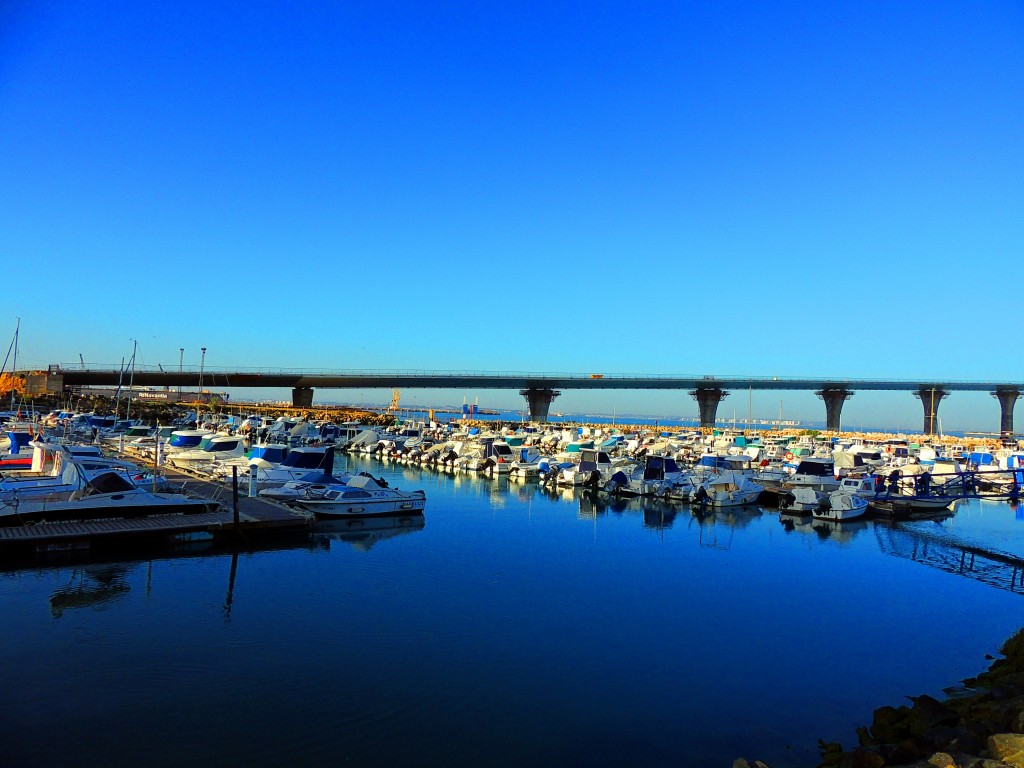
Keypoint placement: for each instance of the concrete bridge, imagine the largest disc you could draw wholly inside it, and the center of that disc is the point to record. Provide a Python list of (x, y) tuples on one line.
[(541, 389)]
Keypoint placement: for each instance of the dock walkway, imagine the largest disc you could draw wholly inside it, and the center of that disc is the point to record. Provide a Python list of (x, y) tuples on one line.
[(256, 516)]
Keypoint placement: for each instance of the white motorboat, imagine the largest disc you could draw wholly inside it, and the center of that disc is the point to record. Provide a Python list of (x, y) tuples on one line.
[(656, 476), (185, 440), (815, 472), (212, 447), (593, 467), (730, 488), (299, 463), (106, 494), (842, 505), (362, 495), (526, 462), (802, 500)]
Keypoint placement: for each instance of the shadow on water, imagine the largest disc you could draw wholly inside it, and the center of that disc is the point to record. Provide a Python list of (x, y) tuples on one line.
[(96, 581), (928, 542)]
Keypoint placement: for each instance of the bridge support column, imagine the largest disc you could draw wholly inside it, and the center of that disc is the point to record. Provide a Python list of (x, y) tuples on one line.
[(1007, 399), (930, 398), (539, 401), (834, 398), (708, 399), (302, 397)]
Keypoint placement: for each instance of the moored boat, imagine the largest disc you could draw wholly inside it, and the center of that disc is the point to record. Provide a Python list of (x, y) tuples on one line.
[(328, 497)]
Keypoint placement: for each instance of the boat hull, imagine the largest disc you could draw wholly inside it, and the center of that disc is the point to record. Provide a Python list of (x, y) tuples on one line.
[(336, 510)]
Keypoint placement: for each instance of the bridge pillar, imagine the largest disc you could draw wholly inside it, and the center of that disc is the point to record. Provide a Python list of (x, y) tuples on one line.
[(1007, 399), (708, 399), (834, 398), (302, 397), (539, 401), (930, 398)]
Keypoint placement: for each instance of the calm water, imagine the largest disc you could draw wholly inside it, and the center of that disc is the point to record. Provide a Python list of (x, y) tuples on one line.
[(513, 628)]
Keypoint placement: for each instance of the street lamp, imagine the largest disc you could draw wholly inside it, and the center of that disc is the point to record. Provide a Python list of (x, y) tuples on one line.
[(202, 362)]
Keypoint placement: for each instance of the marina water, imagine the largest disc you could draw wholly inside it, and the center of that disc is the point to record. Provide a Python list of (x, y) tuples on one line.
[(509, 626)]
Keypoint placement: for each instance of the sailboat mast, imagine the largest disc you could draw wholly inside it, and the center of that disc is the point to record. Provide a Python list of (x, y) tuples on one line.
[(131, 380), (14, 365)]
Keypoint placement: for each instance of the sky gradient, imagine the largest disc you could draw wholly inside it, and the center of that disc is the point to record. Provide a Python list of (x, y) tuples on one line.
[(792, 189)]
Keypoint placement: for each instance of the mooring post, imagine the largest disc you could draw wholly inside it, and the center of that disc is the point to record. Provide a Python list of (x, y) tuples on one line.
[(234, 494), (156, 457), (252, 481)]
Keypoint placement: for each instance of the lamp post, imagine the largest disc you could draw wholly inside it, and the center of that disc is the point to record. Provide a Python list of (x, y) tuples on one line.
[(181, 358), (202, 362)]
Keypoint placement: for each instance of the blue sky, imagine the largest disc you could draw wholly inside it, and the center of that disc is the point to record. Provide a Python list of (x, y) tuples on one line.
[(797, 189)]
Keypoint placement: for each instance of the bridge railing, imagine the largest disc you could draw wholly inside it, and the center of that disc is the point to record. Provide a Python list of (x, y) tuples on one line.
[(711, 379)]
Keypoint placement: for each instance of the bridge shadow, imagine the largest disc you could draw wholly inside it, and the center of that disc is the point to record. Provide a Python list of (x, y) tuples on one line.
[(937, 548)]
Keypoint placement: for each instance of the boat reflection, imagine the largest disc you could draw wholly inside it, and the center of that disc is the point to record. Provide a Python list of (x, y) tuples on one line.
[(656, 513), (841, 532), (92, 582), (363, 532), (90, 587)]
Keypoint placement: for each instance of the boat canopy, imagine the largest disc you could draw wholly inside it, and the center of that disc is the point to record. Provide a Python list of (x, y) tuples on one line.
[(274, 454), (657, 467), (186, 439), (816, 467), (305, 459), (19, 440), (714, 462)]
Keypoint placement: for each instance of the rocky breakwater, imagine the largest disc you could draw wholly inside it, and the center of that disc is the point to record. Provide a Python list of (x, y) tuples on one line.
[(979, 725)]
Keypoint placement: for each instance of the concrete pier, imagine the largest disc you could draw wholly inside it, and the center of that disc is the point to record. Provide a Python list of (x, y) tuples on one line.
[(302, 397), (930, 398), (708, 399), (539, 401), (1007, 400), (834, 398)]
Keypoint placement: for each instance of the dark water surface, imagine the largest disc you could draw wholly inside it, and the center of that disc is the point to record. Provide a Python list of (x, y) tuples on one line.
[(513, 628)]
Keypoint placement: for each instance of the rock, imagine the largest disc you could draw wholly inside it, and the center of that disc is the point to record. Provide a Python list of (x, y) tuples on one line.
[(981, 762), (928, 713), (938, 739), (863, 758), (889, 724), (942, 760), (1008, 747)]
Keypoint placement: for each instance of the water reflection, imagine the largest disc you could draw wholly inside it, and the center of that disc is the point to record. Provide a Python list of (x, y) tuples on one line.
[(841, 532), (363, 533), (934, 546), (94, 587)]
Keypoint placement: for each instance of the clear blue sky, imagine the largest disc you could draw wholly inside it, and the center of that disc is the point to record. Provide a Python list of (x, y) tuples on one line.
[(798, 189)]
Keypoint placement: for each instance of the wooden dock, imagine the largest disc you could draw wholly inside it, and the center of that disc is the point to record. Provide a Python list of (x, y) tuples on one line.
[(256, 517)]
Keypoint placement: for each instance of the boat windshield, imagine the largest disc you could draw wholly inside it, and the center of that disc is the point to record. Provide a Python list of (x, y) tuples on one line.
[(225, 445)]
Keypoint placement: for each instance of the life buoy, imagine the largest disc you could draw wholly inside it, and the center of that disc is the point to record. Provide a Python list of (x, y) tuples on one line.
[(789, 457), (888, 449)]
